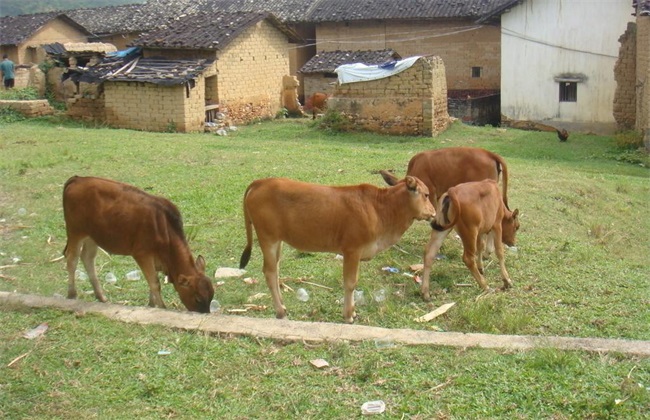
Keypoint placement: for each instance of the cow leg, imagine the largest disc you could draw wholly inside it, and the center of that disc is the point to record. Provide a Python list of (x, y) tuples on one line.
[(430, 252), (271, 269), (148, 266), (498, 248), (480, 248), (470, 239), (88, 254), (350, 279), (71, 253)]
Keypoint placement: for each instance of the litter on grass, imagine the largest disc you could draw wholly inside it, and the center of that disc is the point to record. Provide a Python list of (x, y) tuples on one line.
[(228, 272), (435, 313), (373, 407), (36, 332), (319, 363)]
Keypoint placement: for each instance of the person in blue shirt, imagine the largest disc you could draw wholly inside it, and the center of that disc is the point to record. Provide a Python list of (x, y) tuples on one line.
[(7, 67)]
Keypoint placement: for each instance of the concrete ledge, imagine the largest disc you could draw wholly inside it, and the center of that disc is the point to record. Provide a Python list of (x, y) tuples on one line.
[(319, 331)]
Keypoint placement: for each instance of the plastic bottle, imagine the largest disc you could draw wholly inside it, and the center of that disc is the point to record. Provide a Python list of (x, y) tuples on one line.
[(373, 407), (110, 278), (214, 306), (379, 295), (133, 275), (359, 299), (302, 295)]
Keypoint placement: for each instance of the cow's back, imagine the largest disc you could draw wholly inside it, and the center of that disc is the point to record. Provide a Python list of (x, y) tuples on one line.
[(444, 168), (311, 217), (480, 203), (119, 217)]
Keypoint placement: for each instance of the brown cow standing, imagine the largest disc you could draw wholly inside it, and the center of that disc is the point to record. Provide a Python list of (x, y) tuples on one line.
[(477, 212), (356, 221), (124, 220), (318, 103), (443, 168)]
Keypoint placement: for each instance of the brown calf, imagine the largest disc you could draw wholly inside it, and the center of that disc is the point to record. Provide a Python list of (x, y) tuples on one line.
[(477, 212), (124, 220), (317, 102), (356, 221), (443, 168)]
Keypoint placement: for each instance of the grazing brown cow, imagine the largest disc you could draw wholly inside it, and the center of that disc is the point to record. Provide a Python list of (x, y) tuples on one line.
[(356, 221), (477, 212), (318, 103), (124, 220), (443, 168)]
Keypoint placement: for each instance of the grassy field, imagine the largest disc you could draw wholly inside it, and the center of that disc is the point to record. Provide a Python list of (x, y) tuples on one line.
[(580, 269)]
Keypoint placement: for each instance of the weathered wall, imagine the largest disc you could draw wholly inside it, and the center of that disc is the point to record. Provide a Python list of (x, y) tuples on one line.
[(461, 45), (542, 41), (643, 78), (146, 106), (34, 108), (317, 82), (413, 102), (625, 76), (86, 109), (56, 30), (250, 71)]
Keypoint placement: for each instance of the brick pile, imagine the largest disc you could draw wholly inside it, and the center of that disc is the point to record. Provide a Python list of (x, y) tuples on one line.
[(35, 108)]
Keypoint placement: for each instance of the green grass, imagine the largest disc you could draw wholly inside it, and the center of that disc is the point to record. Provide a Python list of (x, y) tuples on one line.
[(86, 366), (580, 269)]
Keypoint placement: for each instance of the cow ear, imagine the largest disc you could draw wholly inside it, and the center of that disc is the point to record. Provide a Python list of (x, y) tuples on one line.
[(200, 264), (411, 183), (515, 213), (389, 178)]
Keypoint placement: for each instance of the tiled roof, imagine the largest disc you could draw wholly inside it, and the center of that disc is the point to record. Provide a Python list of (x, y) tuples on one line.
[(285, 10), (328, 61), (17, 29), (211, 31), (346, 10), (134, 68), (121, 19)]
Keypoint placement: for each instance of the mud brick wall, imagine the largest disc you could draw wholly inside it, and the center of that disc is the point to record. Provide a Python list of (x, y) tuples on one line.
[(36, 108), (463, 46), (625, 76), (250, 70), (413, 102), (152, 107), (643, 77), (86, 109)]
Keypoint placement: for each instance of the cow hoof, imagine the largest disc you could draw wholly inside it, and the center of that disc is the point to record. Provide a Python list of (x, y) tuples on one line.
[(72, 295), (486, 292), (102, 299)]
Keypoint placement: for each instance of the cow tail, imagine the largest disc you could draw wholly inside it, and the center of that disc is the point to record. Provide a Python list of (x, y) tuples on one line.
[(65, 187), (504, 178), (246, 255), (448, 215)]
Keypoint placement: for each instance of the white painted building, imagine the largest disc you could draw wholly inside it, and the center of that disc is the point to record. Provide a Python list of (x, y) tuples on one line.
[(557, 61)]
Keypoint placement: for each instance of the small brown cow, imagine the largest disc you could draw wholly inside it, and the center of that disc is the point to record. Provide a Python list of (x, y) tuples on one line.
[(124, 220), (443, 168), (356, 221), (317, 102), (477, 212)]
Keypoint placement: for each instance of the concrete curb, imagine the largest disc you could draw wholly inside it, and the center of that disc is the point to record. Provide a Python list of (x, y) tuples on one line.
[(320, 331)]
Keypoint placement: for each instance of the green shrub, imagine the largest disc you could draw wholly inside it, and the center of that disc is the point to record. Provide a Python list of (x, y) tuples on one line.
[(24, 94), (10, 115), (629, 140), (334, 122)]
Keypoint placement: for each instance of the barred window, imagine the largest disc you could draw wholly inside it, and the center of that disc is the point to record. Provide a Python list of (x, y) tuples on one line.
[(568, 91)]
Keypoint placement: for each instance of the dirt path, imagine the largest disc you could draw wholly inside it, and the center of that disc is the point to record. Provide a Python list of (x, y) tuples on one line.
[(319, 331)]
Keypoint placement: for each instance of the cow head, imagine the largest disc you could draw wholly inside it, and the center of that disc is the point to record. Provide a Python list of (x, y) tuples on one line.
[(509, 227), (195, 289), (420, 198)]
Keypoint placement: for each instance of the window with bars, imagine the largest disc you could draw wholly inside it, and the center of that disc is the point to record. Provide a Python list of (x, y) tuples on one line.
[(476, 71), (568, 91)]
